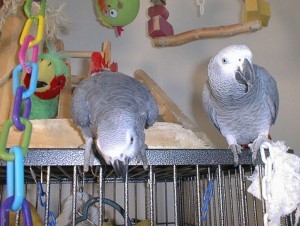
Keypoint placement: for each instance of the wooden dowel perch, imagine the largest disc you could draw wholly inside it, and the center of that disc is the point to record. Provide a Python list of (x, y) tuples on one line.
[(204, 33), (78, 54)]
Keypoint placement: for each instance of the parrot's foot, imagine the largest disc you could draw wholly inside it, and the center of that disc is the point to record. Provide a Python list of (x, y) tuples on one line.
[(255, 146), (236, 150)]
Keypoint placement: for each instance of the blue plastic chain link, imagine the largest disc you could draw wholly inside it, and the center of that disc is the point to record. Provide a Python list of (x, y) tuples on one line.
[(41, 193), (207, 197), (15, 178), (52, 220), (33, 80)]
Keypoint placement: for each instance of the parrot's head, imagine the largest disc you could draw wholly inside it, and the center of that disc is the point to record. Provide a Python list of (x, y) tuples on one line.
[(119, 140), (232, 66)]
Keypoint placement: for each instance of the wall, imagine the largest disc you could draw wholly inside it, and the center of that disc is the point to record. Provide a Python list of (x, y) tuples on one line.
[(181, 71)]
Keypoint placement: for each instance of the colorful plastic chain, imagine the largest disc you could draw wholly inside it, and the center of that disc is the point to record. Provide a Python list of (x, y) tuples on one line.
[(15, 155)]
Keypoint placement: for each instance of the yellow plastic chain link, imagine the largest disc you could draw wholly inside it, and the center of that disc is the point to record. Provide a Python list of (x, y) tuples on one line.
[(40, 31)]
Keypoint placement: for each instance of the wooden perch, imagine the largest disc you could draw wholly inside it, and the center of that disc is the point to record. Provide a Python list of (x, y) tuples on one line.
[(169, 111), (204, 33)]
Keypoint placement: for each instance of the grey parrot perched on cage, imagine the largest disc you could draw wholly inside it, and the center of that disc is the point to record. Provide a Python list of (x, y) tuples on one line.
[(112, 109), (240, 98)]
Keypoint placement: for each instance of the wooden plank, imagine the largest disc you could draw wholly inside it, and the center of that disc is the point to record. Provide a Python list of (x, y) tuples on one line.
[(64, 104), (63, 133), (49, 133), (169, 110)]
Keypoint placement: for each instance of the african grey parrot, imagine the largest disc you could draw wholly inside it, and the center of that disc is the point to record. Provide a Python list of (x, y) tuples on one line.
[(240, 98), (113, 109)]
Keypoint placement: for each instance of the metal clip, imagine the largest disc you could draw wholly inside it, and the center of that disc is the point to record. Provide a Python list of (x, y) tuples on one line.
[(4, 212), (23, 50), (40, 30), (4, 137), (33, 79), (15, 178), (17, 108), (33, 174), (200, 5)]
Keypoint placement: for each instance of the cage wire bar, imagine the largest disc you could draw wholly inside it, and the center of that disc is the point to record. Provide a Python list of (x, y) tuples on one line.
[(170, 193)]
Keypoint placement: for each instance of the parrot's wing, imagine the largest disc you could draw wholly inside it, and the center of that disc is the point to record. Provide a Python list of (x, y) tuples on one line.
[(152, 111), (208, 105), (271, 91), (79, 107)]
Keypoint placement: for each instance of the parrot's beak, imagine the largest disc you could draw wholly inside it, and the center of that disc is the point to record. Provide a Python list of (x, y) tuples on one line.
[(245, 75), (121, 167)]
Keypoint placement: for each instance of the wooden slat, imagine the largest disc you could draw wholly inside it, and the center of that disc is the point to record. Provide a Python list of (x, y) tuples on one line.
[(64, 104), (63, 133), (169, 110)]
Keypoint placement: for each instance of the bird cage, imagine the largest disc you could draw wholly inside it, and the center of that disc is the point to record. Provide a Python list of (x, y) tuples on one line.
[(188, 181)]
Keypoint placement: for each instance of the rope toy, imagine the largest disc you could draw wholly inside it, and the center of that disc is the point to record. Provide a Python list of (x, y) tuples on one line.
[(280, 184)]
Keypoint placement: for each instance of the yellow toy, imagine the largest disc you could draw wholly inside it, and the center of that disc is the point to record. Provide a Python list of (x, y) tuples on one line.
[(36, 219), (257, 10), (144, 223)]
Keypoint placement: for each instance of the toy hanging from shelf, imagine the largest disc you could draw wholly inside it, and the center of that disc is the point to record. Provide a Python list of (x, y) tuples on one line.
[(51, 80), (102, 60), (158, 25), (117, 14), (257, 10)]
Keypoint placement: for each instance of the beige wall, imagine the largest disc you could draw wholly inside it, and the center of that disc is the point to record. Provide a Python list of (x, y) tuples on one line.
[(181, 71)]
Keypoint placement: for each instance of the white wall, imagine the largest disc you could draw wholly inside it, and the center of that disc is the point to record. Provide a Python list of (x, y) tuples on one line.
[(181, 71)]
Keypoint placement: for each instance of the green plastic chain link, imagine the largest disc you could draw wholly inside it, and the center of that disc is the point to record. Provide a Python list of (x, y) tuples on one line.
[(4, 137), (27, 9)]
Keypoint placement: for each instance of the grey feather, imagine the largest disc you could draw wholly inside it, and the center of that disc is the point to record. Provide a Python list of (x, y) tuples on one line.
[(113, 109), (240, 98)]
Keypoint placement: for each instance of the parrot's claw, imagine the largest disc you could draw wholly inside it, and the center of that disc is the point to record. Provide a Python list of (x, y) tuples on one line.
[(255, 146), (236, 150)]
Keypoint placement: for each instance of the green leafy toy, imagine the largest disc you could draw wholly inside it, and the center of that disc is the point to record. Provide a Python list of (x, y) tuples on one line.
[(51, 80), (117, 13)]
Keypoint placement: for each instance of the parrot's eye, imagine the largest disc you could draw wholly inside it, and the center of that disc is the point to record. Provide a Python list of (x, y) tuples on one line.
[(113, 13), (131, 140), (224, 61)]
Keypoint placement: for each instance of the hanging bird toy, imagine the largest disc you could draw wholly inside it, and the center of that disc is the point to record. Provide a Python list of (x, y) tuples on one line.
[(117, 14), (51, 80)]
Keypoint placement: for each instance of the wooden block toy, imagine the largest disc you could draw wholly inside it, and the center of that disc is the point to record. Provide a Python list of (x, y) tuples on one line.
[(102, 60), (257, 10), (158, 26), (158, 10)]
